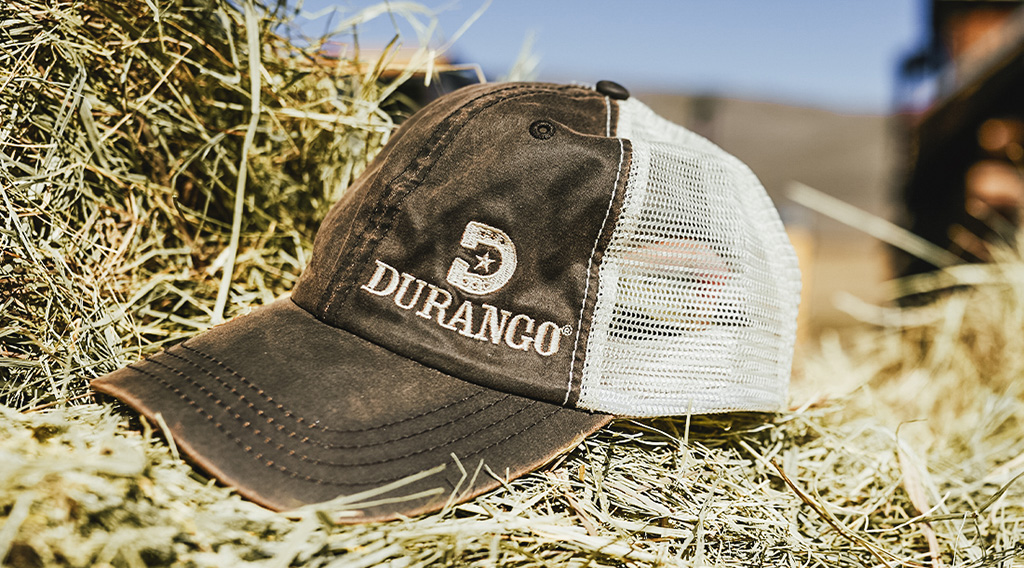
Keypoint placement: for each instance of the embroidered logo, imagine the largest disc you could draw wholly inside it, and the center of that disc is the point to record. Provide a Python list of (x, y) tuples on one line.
[(482, 322), (479, 321), (480, 280)]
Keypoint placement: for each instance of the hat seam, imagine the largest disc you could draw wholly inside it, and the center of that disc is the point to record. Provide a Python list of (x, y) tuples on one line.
[(377, 219), (300, 419), (259, 456), (593, 253)]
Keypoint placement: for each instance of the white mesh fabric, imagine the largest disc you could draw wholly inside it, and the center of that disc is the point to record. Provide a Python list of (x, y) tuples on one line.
[(638, 122), (699, 288)]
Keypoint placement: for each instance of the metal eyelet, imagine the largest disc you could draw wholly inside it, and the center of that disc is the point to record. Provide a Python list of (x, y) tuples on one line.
[(542, 130)]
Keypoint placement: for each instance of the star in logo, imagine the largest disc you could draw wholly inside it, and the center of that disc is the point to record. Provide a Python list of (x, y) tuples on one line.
[(484, 262)]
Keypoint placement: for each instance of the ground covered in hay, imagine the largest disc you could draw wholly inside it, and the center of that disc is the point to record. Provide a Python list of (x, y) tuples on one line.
[(157, 177)]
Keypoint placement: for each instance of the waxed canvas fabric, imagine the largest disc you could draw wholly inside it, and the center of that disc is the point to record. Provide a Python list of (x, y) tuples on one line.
[(340, 389), (555, 197)]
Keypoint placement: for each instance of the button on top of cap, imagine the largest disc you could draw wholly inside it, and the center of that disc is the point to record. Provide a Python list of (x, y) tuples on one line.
[(612, 90)]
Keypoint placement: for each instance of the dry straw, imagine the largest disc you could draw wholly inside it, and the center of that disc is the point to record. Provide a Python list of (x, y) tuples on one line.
[(151, 163), (125, 129)]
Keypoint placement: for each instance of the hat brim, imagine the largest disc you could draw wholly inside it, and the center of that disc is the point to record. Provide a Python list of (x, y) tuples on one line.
[(291, 411)]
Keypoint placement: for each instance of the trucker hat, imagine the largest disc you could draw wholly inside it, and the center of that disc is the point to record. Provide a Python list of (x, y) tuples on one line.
[(519, 264)]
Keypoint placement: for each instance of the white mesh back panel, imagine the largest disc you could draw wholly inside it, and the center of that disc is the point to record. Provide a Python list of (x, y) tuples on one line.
[(699, 288)]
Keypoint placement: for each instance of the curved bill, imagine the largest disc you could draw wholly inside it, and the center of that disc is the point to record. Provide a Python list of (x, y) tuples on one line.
[(290, 411)]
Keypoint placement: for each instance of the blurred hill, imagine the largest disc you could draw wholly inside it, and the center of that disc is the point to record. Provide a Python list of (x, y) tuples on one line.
[(851, 157)]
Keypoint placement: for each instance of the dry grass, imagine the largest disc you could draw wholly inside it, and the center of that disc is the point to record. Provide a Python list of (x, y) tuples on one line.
[(124, 131), (827, 485), (136, 162)]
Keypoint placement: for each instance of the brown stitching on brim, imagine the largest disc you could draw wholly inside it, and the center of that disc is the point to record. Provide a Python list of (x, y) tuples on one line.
[(296, 475), (280, 446), (305, 439), (300, 419), (376, 222)]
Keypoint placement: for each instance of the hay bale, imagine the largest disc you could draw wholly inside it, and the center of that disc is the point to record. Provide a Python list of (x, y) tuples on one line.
[(135, 153), (135, 156)]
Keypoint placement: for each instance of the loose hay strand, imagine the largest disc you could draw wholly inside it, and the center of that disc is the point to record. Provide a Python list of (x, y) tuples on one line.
[(255, 73)]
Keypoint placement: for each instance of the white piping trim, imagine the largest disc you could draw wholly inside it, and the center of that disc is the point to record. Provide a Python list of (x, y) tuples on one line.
[(586, 288)]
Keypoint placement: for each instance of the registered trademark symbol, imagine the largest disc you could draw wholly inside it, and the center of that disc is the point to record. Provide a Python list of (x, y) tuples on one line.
[(567, 330)]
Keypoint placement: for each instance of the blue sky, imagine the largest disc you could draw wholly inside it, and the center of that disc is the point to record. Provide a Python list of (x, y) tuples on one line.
[(836, 54)]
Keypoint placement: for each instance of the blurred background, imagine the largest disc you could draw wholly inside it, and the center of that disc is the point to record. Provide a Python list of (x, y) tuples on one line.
[(910, 110)]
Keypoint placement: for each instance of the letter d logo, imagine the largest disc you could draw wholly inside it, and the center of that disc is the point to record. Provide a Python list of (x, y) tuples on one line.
[(478, 283)]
